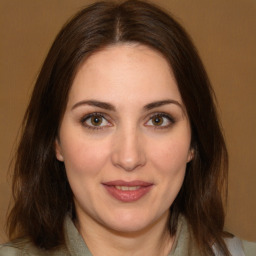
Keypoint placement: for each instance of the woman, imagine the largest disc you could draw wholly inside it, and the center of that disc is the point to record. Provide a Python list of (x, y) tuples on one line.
[(121, 151)]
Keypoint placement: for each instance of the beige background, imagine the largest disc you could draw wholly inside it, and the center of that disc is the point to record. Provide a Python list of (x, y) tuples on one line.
[(225, 34)]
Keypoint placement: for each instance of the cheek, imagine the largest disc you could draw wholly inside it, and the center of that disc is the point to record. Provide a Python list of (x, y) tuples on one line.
[(83, 156), (170, 156)]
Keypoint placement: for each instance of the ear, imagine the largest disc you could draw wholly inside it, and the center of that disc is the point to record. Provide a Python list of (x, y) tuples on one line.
[(191, 153), (58, 150)]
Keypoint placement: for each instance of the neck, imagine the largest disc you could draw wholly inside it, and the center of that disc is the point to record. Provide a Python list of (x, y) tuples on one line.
[(151, 241)]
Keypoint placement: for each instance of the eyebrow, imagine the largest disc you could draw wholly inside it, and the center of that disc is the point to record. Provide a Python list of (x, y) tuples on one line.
[(95, 103), (108, 106), (161, 103)]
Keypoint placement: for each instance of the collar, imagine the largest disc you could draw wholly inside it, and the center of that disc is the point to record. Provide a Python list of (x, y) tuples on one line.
[(183, 245)]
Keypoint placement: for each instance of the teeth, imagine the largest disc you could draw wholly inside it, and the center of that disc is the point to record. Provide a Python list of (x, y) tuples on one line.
[(125, 188)]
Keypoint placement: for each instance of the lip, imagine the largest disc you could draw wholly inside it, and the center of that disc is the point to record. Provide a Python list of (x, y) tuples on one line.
[(134, 190)]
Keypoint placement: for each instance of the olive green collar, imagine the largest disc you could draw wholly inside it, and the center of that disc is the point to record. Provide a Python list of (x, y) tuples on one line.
[(183, 243)]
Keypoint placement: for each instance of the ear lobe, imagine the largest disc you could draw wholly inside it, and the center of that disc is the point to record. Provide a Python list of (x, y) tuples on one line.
[(190, 155), (58, 152)]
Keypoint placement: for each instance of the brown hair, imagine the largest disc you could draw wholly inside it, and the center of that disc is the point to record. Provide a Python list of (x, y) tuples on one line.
[(42, 195)]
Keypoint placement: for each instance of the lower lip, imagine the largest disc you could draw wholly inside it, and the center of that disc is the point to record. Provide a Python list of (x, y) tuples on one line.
[(128, 195)]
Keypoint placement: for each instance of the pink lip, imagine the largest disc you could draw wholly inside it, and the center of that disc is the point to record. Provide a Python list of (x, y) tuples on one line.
[(127, 195)]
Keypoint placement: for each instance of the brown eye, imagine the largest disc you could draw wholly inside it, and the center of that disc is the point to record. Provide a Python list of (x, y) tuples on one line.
[(157, 120), (160, 120), (96, 120)]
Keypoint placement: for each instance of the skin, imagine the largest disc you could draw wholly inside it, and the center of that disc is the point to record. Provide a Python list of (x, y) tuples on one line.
[(129, 142)]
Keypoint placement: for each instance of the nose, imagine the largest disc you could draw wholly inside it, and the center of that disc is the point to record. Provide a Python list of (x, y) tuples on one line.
[(128, 151)]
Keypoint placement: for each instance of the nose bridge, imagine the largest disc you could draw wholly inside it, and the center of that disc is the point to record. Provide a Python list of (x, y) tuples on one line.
[(128, 152)]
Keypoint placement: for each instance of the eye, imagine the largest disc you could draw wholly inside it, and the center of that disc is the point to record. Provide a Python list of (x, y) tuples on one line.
[(95, 121), (160, 120)]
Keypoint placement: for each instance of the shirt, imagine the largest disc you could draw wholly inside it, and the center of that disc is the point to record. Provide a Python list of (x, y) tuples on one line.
[(184, 244)]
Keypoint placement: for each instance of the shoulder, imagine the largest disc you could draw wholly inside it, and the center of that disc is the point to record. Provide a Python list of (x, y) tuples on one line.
[(17, 247), (23, 247), (238, 247), (249, 248), (235, 246)]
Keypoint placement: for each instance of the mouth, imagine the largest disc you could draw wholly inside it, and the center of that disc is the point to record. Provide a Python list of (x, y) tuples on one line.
[(126, 188), (127, 191)]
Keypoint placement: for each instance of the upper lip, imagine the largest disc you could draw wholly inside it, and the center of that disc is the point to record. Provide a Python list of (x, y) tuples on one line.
[(127, 183)]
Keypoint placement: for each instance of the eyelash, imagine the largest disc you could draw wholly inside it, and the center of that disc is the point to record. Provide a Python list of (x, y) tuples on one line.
[(83, 120)]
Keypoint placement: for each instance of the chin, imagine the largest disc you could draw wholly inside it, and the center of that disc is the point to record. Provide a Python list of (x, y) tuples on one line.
[(130, 223), (129, 228)]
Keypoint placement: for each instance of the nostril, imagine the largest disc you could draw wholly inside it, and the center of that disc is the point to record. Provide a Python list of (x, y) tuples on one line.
[(128, 161), (129, 165)]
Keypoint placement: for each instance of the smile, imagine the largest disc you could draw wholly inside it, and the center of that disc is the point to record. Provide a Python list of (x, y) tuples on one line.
[(127, 191)]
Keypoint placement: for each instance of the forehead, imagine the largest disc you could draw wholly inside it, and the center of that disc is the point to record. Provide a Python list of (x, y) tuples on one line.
[(125, 71)]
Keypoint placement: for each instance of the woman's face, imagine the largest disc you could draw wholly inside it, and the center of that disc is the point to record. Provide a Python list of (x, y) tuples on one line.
[(124, 139)]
